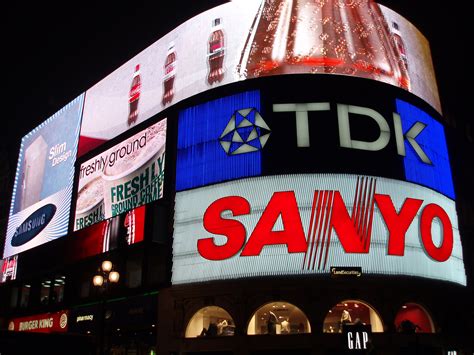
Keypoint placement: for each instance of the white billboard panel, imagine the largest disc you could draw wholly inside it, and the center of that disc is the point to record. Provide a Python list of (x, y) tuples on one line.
[(306, 224)]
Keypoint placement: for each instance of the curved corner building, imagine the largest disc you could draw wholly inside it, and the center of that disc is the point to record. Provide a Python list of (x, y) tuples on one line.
[(307, 195)]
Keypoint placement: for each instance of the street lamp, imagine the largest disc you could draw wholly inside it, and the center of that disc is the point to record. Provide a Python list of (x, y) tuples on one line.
[(102, 280), (105, 275)]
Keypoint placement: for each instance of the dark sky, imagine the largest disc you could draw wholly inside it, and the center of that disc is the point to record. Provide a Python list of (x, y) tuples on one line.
[(59, 51)]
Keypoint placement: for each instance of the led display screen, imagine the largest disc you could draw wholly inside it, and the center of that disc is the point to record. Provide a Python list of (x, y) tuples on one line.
[(9, 267), (267, 132), (128, 175), (436, 175), (305, 224), (44, 177), (250, 39), (120, 231)]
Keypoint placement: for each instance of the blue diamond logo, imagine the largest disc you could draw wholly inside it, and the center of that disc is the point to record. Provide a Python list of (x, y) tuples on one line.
[(245, 132)]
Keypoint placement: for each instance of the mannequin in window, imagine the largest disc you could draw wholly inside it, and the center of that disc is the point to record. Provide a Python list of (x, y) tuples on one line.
[(345, 318), (221, 325), (271, 323), (285, 326)]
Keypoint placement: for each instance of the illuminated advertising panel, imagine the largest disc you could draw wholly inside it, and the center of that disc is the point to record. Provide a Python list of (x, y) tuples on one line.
[(306, 224), (249, 39), (125, 229), (126, 176), (44, 177), (244, 135), (55, 322), (9, 267)]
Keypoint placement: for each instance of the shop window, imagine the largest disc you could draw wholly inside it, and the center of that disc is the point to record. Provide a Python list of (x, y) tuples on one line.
[(133, 276), (210, 321), (57, 294), (25, 295), (351, 312), (278, 318), (45, 291), (413, 318), (14, 297)]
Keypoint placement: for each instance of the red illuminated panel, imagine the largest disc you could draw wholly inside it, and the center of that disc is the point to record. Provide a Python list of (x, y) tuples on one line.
[(41, 323), (126, 229)]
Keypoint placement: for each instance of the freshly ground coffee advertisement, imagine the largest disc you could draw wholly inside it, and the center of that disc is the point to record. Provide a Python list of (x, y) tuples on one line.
[(126, 176)]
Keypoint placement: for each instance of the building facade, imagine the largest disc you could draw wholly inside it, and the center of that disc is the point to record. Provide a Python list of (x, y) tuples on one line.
[(268, 177)]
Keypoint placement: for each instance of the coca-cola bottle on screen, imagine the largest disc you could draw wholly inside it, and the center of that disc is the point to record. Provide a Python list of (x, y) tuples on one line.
[(314, 36), (216, 53), (170, 73), (399, 44), (134, 96), (129, 223)]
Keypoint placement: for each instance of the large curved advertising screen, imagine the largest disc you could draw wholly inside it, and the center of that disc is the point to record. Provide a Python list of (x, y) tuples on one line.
[(307, 224), (44, 178), (250, 39)]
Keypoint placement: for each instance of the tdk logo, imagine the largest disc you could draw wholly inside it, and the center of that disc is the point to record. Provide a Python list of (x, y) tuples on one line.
[(246, 132), (343, 116)]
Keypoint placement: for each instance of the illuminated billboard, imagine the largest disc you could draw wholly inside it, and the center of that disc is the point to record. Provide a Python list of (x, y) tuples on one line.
[(306, 224), (249, 39), (53, 322), (9, 268), (128, 175), (116, 232), (244, 135), (42, 189)]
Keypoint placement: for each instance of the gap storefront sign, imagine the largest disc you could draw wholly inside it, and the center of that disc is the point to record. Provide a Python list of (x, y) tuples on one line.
[(305, 224)]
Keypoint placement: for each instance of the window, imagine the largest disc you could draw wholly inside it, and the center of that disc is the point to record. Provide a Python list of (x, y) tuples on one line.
[(57, 294), (133, 276), (210, 321), (351, 312), (25, 295), (45, 291), (278, 318), (413, 318)]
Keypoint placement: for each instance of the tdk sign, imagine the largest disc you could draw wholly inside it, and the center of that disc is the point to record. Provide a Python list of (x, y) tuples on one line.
[(343, 115), (237, 136)]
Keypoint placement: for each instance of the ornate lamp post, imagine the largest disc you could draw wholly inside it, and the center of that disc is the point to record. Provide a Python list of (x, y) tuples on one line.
[(102, 280)]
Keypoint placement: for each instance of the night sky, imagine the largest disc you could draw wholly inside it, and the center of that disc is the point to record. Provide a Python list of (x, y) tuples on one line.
[(56, 52)]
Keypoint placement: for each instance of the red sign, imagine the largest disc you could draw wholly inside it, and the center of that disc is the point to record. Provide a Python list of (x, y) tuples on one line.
[(329, 211), (41, 323)]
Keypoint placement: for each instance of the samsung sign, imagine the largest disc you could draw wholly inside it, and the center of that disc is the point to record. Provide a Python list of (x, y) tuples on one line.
[(241, 136), (304, 224)]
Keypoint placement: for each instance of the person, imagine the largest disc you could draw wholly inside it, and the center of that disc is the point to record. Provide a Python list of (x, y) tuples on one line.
[(271, 323), (212, 330), (285, 326), (408, 327), (345, 319)]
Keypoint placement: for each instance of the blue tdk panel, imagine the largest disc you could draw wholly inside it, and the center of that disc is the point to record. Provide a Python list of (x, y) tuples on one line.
[(433, 142), (220, 140)]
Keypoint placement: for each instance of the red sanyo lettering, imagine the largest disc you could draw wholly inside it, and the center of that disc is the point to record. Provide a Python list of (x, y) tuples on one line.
[(284, 205)]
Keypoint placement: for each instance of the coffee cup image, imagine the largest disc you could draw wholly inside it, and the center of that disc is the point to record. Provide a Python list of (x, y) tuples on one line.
[(136, 176), (90, 204)]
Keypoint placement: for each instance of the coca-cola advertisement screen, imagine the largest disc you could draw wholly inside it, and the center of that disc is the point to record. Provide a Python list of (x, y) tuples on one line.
[(305, 224), (126, 176), (41, 199), (246, 39), (9, 267)]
